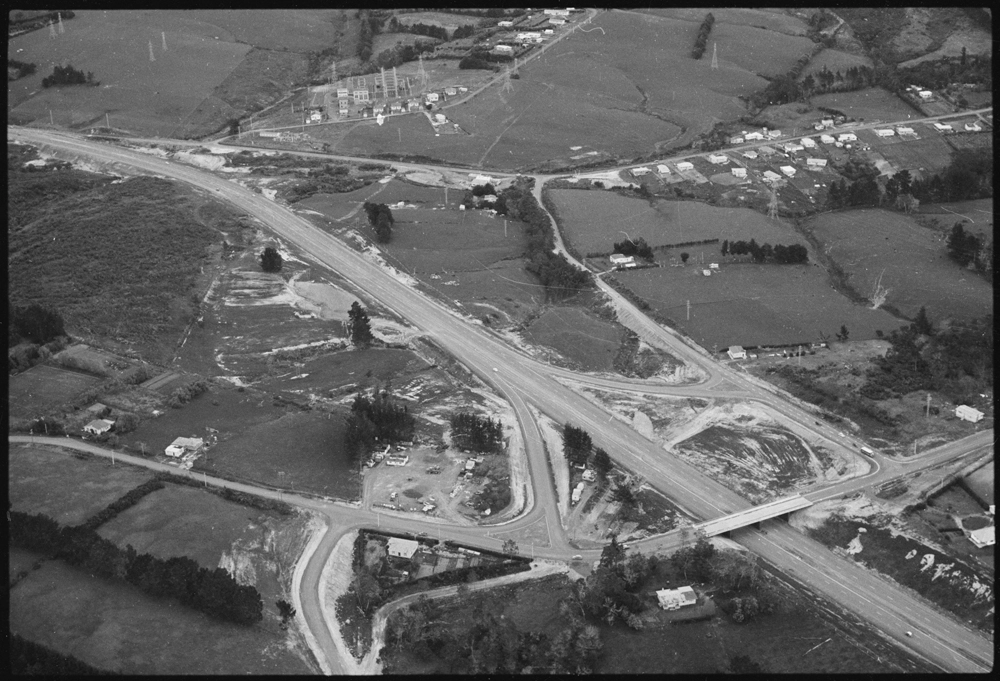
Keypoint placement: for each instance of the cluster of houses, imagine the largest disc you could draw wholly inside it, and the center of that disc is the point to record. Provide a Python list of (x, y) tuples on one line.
[(918, 92)]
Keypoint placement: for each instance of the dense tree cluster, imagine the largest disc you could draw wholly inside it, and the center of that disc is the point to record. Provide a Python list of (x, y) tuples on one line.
[(781, 254), (34, 323), (560, 278), (67, 75), (477, 433), (359, 327), (484, 59), (370, 26), (380, 217), (938, 74), (577, 445), (968, 176), (376, 419), (400, 54), (270, 260), (967, 249), (33, 659), (854, 78), (638, 247), (702, 39), (214, 592), (19, 69), (956, 361), (431, 30), (610, 592)]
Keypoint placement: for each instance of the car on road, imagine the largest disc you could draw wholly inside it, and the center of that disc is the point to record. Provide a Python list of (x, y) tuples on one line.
[(496, 370)]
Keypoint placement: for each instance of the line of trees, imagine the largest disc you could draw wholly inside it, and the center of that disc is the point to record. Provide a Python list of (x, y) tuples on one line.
[(123, 503), (67, 75), (702, 39), (28, 658), (781, 254), (477, 433), (376, 419), (371, 25), (214, 592), (380, 217), (557, 275)]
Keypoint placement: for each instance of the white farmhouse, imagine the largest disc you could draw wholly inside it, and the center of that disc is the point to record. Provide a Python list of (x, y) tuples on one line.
[(827, 139), (640, 171), (792, 147), (663, 169), (787, 170), (847, 137), (432, 96), (754, 136), (99, 426), (675, 599), (885, 132), (685, 165), (718, 158), (816, 162), (967, 413), (905, 130), (736, 352), (771, 176), (925, 94), (402, 548), (942, 127), (808, 143), (503, 49), (739, 172), (185, 445), (505, 24), (750, 153)]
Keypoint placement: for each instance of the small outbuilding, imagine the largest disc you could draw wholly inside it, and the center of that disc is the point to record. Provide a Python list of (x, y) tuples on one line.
[(967, 413), (99, 426), (984, 536)]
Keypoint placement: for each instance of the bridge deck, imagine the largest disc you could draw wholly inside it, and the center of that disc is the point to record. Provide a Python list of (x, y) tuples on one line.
[(753, 515)]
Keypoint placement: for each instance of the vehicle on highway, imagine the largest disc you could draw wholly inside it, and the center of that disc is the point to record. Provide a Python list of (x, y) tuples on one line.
[(496, 370), (867, 451), (909, 633)]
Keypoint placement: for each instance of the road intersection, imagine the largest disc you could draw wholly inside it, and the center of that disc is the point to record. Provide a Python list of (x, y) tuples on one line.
[(525, 382)]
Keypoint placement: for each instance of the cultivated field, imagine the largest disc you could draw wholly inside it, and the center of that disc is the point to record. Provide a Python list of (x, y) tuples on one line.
[(38, 390), (922, 157), (872, 104), (752, 305), (864, 243), (591, 221), (64, 487)]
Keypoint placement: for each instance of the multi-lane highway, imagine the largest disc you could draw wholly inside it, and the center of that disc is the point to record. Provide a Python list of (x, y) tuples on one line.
[(525, 382)]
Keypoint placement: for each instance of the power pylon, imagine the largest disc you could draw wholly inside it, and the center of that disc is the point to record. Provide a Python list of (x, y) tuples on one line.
[(507, 85), (61, 29), (151, 56), (772, 206), (52, 29), (421, 73), (163, 37), (715, 56)]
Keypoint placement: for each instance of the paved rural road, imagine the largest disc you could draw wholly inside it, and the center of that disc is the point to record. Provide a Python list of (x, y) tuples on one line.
[(515, 375)]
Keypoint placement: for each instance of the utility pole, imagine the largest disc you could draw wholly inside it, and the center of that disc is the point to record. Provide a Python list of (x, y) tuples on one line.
[(689, 310), (928, 414), (107, 121), (51, 122), (163, 36)]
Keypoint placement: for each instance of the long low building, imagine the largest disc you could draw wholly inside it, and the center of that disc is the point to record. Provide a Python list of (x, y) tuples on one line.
[(751, 516)]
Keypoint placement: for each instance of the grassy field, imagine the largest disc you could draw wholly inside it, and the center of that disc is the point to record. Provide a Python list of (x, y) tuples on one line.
[(37, 391), (864, 243), (752, 305), (923, 157), (115, 626), (867, 105), (591, 221), (583, 339), (63, 487), (140, 291), (443, 19), (835, 60), (243, 60)]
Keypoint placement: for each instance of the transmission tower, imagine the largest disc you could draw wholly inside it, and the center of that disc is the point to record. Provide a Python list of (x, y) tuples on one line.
[(514, 70), (151, 57), (333, 72), (163, 37), (61, 29), (421, 73), (715, 56), (772, 206), (507, 85), (52, 29)]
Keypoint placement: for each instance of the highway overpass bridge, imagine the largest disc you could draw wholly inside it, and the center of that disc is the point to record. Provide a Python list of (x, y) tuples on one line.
[(752, 516)]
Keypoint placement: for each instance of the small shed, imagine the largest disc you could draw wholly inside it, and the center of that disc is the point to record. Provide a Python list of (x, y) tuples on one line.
[(967, 413)]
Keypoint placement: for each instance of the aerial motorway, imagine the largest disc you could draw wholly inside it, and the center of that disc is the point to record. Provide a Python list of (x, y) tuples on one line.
[(526, 383)]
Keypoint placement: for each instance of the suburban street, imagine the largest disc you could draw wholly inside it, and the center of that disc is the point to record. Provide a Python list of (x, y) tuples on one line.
[(524, 381)]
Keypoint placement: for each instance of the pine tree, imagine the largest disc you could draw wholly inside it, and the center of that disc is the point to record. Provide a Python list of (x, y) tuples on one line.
[(358, 325), (270, 260)]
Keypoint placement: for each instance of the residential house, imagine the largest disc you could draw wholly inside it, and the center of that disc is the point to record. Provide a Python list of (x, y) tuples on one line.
[(771, 176), (885, 132), (984, 536), (787, 170), (942, 127), (589, 475), (440, 118), (819, 126), (792, 147), (736, 352), (640, 171), (367, 112), (754, 136), (675, 599), (414, 105), (967, 413), (315, 117), (816, 162), (480, 179), (450, 91), (808, 143), (739, 172), (396, 107), (972, 127), (462, 89), (432, 96), (905, 130), (685, 165), (577, 492), (622, 261), (99, 426), (736, 140), (361, 95), (503, 49), (662, 169), (827, 139), (402, 548), (750, 153), (827, 122), (547, 31), (505, 24), (98, 410), (556, 12), (185, 445), (772, 134), (557, 21), (342, 93), (713, 265), (847, 137), (706, 273), (397, 460), (718, 158), (925, 94)]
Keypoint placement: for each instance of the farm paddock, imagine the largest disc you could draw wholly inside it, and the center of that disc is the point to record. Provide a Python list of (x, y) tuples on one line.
[(40, 389), (753, 305), (911, 260)]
